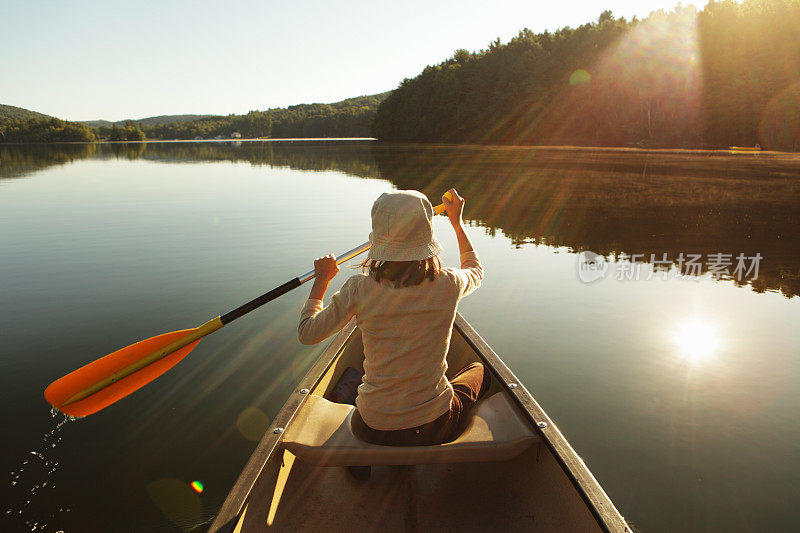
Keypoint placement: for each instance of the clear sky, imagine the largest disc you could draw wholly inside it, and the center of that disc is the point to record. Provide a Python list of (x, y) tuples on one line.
[(83, 60)]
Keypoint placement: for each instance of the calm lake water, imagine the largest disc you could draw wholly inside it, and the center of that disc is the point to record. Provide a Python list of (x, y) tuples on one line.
[(681, 394)]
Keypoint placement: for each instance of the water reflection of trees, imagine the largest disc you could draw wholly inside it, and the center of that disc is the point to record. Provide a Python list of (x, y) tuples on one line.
[(607, 201), (17, 160), (353, 158), (615, 201)]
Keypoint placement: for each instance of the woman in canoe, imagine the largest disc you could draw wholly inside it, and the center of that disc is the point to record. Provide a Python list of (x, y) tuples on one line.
[(405, 304)]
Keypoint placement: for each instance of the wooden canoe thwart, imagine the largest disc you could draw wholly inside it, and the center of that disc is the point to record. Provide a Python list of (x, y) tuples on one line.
[(511, 469)]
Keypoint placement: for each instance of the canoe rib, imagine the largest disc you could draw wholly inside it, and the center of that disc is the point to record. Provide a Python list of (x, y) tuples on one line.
[(595, 499)]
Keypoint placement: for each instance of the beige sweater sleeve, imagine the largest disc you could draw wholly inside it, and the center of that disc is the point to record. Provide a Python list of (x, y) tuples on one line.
[(470, 275), (318, 323)]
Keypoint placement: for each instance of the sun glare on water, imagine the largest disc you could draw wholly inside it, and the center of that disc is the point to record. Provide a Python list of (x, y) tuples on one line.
[(697, 340)]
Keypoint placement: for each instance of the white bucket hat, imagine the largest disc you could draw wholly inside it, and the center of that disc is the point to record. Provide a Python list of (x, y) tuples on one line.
[(402, 228)]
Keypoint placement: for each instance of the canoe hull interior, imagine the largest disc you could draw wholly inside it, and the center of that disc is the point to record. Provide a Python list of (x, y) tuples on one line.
[(542, 489)]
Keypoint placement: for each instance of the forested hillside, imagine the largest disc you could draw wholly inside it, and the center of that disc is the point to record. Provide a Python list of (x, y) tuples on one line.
[(727, 75), (348, 118), (17, 113)]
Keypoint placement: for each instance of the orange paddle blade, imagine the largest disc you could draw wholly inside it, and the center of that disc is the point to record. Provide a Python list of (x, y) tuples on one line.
[(61, 390)]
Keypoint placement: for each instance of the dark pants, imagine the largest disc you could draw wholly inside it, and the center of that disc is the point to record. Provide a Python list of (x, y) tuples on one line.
[(469, 384)]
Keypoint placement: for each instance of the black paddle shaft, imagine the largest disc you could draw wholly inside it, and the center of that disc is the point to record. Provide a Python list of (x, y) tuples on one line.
[(288, 286), (261, 300)]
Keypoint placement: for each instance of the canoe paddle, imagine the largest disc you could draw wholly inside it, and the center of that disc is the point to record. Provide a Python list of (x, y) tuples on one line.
[(102, 382)]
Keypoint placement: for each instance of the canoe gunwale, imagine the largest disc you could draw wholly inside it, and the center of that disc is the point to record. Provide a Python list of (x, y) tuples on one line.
[(235, 502), (598, 502)]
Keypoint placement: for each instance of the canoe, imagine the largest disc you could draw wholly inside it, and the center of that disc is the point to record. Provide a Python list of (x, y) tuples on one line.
[(511, 469), (756, 148)]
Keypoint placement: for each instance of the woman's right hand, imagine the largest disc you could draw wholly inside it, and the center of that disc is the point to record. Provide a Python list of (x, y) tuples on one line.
[(454, 207), (325, 268)]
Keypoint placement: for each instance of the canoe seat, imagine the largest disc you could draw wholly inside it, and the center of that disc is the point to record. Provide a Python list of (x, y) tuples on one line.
[(321, 435)]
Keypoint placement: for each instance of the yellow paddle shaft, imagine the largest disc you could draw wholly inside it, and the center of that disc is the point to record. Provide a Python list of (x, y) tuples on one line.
[(196, 334), (441, 208)]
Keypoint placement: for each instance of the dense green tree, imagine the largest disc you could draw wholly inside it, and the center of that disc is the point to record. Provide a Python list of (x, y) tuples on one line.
[(35, 130), (133, 132), (130, 131)]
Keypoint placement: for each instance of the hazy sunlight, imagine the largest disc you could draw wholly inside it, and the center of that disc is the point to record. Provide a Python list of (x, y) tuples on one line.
[(697, 340)]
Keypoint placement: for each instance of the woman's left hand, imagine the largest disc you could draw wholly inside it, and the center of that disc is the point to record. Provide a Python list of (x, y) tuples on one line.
[(325, 268)]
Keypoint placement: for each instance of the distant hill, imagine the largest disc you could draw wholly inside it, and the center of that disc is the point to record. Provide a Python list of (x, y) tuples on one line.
[(356, 101), (347, 118), (149, 121), (18, 113)]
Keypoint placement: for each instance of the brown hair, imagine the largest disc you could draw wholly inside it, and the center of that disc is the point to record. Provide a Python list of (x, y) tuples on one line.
[(402, 273)]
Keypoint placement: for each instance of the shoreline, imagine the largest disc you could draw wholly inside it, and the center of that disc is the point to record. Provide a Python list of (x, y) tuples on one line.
[(507, 147)]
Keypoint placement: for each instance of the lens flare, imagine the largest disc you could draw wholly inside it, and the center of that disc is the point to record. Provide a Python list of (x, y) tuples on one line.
[(252, 423), (647, 80), (179, 503), (579, 77), (779, 128), (197, 486)]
